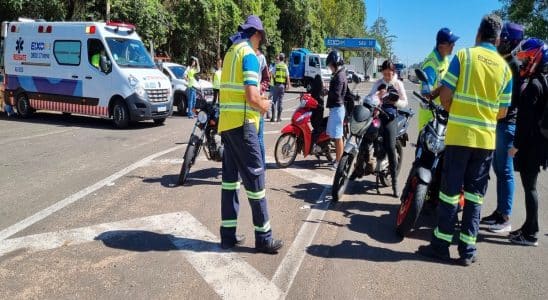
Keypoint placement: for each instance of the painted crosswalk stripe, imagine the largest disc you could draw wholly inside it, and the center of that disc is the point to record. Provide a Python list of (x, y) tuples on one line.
[(227, 274)]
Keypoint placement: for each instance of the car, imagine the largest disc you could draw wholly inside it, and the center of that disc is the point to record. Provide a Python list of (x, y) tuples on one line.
[(360, 76), (176, 72)]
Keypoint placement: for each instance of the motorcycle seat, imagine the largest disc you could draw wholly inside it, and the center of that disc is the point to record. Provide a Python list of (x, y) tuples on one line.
[(406, 112)]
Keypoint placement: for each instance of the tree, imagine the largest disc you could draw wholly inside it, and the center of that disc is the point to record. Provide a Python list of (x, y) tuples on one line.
[(532, 14), (380, 32)]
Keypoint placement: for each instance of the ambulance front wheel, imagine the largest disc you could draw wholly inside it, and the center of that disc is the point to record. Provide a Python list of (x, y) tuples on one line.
[(120, 114), (23, 106)]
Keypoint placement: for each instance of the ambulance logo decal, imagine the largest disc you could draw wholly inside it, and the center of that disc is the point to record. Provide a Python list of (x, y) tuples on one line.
[(19, 45)]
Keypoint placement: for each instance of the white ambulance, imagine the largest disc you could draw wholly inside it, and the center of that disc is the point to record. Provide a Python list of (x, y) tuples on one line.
[(89, 68)]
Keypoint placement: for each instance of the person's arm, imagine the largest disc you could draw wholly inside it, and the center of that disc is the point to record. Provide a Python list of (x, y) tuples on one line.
[(288, 80), (449, 83), (251, 77), (402, 101), (506, 97)]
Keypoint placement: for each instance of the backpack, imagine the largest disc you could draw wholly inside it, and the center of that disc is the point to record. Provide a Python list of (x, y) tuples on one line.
[(543, 122)]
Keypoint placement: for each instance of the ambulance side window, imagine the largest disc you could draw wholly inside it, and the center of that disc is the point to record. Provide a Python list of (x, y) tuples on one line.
[(167, 74), (67, 52), (95, 50)]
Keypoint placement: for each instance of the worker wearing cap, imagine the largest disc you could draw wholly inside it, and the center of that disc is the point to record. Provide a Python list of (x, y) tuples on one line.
[(281, 83), (476, 91), (241, 106), (190, 76), (435, 66)]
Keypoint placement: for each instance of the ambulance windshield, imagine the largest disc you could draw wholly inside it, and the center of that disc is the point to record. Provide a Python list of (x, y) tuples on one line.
[(129, 53)]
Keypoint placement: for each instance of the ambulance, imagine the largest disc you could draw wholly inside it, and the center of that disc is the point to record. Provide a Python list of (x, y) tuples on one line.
[(88, 68)]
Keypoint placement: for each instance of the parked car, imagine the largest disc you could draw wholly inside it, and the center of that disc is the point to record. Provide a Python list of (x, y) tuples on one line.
[(361, 77), (176, 73)]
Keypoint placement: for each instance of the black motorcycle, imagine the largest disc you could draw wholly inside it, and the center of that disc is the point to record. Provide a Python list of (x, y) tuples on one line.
[(424, 178), (204, 135), (372, 156)]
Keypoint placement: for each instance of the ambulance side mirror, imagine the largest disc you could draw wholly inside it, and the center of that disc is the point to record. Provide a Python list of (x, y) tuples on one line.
[(105, 64)]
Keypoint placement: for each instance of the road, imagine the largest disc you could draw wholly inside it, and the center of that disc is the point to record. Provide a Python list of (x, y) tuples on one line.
[(88, 211)]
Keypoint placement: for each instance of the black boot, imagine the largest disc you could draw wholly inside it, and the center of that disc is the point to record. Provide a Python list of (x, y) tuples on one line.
[(395, 189)]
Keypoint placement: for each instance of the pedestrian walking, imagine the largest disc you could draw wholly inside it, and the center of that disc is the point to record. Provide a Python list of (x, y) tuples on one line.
[(530, 144), (241, 106), (281, 84), (503, 165), (476, 91)]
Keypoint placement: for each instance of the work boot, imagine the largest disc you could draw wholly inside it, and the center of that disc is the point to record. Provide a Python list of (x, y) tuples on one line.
[(240, 239), (467, 261), (395, 188), (271, 247)]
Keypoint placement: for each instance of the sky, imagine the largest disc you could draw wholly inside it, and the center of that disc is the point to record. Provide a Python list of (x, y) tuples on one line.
[(416, 22)]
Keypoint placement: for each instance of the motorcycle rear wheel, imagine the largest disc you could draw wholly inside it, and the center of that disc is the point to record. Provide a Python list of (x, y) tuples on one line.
[(411, 206), (340, 181), (285, 151)]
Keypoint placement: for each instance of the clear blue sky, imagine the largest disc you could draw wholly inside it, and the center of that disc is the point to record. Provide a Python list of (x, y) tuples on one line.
[(415, 23)]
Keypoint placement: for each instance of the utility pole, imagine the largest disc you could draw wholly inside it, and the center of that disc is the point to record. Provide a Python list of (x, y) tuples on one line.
[(108, 11)]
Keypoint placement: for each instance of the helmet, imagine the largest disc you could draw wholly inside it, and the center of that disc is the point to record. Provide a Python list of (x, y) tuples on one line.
[(281, 57), (532, 52), (510, 37), (334, 58)]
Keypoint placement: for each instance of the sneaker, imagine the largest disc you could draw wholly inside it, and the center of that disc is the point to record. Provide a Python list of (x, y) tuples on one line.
[(271, 247), (491, 219), (514, 233), (500, 227), (334, 166), (467, 261), (524, 240), (240, 239)]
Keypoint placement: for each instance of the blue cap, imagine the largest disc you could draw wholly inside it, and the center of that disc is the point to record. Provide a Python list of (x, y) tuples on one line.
[(446, 36), (511, 32), (252, 21)]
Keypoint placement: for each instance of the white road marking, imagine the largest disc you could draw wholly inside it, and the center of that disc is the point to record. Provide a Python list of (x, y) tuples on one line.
[(291, 264), (227, 274), (13, 229), (17, 139)]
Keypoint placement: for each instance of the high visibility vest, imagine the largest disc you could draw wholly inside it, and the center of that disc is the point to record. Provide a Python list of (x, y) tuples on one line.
[(234, 110), (440, 66), (96, 60), (217, 79), (479, 93), (281, 73), (192, 82)]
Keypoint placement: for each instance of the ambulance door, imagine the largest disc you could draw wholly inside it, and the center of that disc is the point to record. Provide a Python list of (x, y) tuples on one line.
[(98, 88)]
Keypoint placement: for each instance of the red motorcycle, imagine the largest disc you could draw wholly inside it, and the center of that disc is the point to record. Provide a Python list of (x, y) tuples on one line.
[(297, 136)]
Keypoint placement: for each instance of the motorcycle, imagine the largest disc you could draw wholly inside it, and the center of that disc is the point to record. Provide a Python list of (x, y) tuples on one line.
[(366, 128), (204, 133), (425, 176), (297, 136)]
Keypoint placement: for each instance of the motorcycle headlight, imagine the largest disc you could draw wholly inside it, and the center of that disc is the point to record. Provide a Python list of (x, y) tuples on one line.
[(434, 144), (202, 117)]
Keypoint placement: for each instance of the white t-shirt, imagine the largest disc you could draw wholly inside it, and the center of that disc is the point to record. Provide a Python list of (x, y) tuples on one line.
[(398, 85)]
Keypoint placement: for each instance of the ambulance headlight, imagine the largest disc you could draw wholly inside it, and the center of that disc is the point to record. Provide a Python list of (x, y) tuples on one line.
[(137, 87)]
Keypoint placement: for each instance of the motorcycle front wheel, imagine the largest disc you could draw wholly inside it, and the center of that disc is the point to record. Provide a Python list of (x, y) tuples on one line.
[(188, 159), (411, 206), (340, 181), (285, 151)]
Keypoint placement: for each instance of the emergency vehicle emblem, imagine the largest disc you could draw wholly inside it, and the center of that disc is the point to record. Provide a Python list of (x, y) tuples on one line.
[(19, 45)]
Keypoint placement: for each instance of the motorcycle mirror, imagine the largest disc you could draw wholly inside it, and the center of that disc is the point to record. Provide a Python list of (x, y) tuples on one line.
[(355, 78), (421, 75)]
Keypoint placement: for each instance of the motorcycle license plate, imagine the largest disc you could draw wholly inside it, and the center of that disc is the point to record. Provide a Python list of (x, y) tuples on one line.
[(209, 98), (161, 109)]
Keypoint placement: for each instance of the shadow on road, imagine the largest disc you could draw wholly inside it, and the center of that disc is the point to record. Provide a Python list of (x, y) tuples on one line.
[(207, 176), (61, 120), (307, 192), (145, 241)]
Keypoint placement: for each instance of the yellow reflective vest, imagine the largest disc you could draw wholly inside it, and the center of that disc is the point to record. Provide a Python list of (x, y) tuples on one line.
[(440, 65), (482, 83), (234, 109), (217, 79), (280, 76)]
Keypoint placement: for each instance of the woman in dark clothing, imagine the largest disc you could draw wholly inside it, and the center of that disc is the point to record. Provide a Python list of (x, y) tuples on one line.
[(530, 147), (317, 92)]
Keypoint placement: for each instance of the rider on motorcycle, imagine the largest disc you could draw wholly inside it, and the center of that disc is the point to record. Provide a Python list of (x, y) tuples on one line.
[(391, 93)]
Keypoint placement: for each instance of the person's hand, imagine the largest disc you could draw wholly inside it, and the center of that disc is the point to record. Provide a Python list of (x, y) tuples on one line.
[(265, 104), (512, 152), (381, 93)]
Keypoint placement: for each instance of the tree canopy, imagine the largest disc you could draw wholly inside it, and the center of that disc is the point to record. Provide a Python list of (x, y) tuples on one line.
[(181, 28)]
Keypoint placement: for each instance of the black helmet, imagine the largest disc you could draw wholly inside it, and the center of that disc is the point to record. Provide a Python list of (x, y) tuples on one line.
[(334, 58)]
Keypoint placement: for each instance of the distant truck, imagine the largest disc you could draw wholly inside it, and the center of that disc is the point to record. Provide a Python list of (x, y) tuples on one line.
[(304, 66), (87, 68), (399, 70)]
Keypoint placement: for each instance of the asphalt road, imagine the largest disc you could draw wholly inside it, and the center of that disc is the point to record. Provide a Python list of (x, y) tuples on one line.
[(87, 211)]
